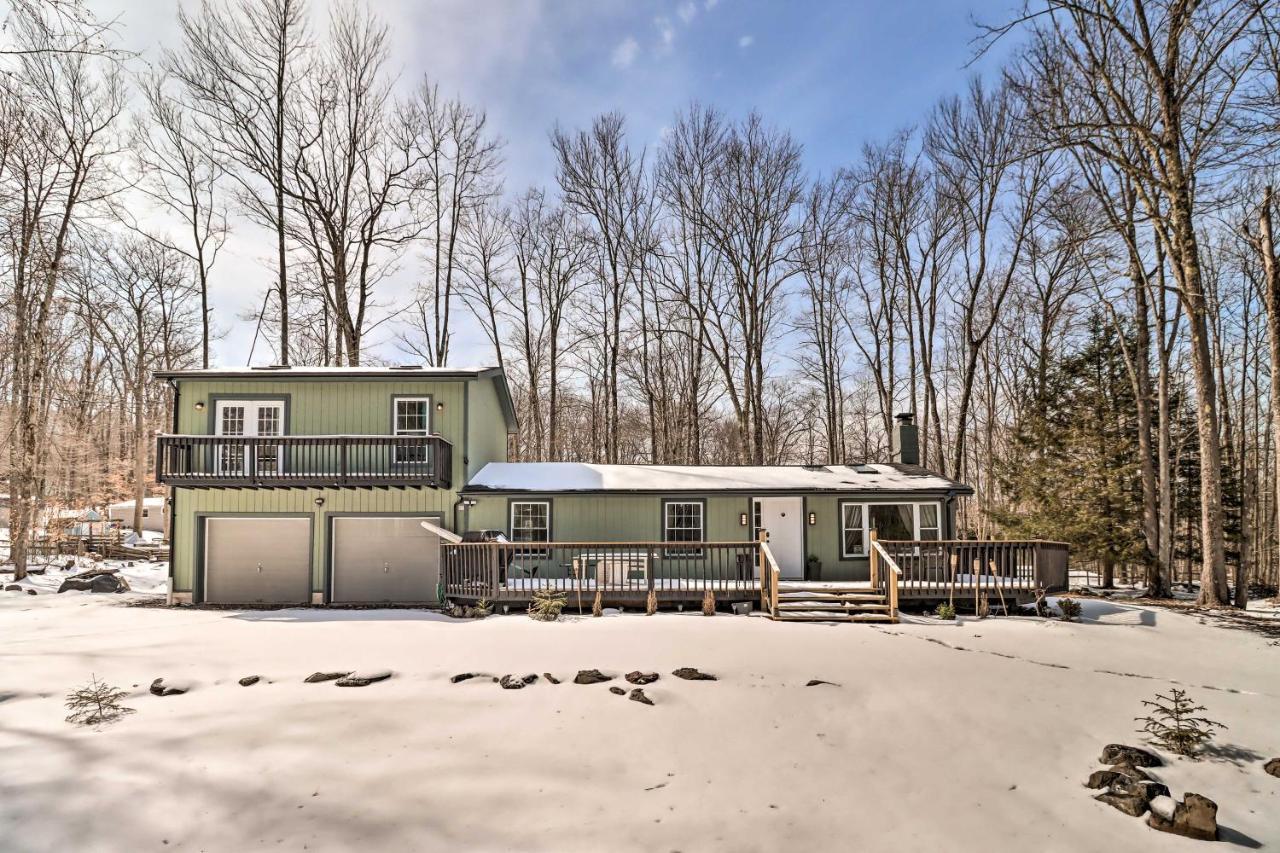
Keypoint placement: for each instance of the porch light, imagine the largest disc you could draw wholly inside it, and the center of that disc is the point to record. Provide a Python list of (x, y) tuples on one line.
[(439, 407), (813, 519), (742, 519), (199, 405), (319, 501)]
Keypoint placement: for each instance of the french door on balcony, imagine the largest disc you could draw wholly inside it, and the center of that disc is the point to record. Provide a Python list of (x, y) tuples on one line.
[(250, 419)]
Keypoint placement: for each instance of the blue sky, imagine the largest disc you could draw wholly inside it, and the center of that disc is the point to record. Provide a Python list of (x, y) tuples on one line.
[(836, 74)]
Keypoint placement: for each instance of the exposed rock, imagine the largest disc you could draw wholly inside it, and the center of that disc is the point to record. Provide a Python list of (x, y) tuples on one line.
[(1131, 772), (1194, 817), (173, 688), (639, 677), (549, 677), (1118, 753), (530, 678), (1273, 767), (364, 679), (250, 680), (1100, 779), (38, 570), (591, 676), (32, 592), (511, 682), (96, 580), (689, 673), (637, 695), (13, 587), (317, 677), (464, 676), (69, 564), (617, 691), (1131, 797), (814, 682)]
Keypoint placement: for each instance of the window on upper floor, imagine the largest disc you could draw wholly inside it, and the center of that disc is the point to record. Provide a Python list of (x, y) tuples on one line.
[(411, 417)]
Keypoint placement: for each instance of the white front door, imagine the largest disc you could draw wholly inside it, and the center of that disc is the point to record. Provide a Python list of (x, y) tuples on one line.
[(784, 519), (248, 418)]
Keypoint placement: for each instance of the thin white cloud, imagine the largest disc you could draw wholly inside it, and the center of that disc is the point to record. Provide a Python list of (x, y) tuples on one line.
[(710, 4), (687, 10), (666, 32), (746, 42), (625, 53)]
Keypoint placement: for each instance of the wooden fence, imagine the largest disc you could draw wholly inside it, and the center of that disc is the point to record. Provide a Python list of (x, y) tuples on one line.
[(990, 568)]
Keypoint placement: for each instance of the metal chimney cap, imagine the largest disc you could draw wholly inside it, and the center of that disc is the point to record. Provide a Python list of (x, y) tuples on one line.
[(905, 418)]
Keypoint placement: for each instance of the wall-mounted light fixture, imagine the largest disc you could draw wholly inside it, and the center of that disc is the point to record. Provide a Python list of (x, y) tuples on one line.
[(813, 519), (439, 407), (199, 405), (319, 501), (468, 503), (742, 519)]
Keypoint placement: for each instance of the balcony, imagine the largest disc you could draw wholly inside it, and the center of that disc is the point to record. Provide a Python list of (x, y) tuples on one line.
[(302, 461)]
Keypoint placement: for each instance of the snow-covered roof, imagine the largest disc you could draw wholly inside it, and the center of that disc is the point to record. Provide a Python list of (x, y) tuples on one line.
[(147, 502), (303, 370), (584, 477)]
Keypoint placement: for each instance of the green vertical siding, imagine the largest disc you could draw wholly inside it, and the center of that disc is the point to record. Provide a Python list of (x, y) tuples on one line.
[(486, 427), (192, 502)]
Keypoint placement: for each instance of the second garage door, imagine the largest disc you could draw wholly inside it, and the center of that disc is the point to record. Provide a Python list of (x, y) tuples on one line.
[(381, 560), (257, 561)]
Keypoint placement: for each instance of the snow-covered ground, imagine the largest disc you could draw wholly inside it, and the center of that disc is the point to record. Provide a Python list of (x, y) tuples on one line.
[(968, 736)]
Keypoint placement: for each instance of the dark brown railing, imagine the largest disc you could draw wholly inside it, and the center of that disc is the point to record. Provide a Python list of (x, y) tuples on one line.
[(509, 571), (304, 460), (976, 567)]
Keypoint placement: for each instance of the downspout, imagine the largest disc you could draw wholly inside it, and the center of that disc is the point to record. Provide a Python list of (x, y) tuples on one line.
[(173, 493)]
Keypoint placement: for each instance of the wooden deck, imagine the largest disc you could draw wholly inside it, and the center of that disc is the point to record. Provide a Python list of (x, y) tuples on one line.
[(626, 573)]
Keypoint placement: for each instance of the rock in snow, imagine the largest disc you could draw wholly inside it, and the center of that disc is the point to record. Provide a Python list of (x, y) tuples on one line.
[(549, 677), (591, 676), (1118, 753), (161, 687), (814, 682), (511, 682), (617, 691), (689, 673), (363, 679), (637, 695), (1194, 817), (639, 677), (1273, 767), (13, 587), (317, 677), (250, 680), (465, 676)]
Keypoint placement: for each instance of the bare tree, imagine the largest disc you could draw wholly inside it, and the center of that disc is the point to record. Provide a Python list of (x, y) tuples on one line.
[(242, 67)]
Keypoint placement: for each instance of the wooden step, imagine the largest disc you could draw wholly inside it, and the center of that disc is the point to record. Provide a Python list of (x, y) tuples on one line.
[(831, 596), (811, 616), (832, 606)]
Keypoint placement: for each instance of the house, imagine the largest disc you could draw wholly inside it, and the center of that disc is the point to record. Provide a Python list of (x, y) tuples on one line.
[(154, 510), (353, 486)]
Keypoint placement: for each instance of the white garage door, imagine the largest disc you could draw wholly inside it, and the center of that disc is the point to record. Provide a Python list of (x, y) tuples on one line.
[(384, 560), (257, 560)]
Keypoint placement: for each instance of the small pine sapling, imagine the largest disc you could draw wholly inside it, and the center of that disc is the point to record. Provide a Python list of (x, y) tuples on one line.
[(1173, 724), (96, 703), (547, 605), (1069, 609), (709, 603), (597, 606), (651, 603), (946, 612)]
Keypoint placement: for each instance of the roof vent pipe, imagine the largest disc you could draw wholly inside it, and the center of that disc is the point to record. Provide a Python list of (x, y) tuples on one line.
[(906, 439)]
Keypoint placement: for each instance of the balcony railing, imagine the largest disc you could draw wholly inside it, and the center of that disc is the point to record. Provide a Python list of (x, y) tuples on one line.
[(304, 460)]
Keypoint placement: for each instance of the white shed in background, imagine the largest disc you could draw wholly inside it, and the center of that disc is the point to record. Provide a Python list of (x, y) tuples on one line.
[(153, 513)]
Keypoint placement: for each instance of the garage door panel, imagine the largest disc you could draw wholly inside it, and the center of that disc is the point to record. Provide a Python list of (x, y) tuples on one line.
[(384, 560), (258, 560)]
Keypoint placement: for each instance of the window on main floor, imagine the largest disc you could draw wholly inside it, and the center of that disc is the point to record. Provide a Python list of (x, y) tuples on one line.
[(892, 521), (412, 418), (852, 541), (530, 521), (682, 521)]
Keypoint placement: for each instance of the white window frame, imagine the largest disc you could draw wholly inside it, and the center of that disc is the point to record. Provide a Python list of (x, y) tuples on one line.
[(511, 521), (866, 522), (678, 551), (426, 400), (252, 409)]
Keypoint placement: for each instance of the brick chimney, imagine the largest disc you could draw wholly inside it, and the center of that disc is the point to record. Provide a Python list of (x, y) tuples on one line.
[(906, 439)]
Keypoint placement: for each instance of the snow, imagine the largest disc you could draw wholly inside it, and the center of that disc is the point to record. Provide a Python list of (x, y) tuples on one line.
[(148, 503), (584, 477), (362, 370), (973, 735)]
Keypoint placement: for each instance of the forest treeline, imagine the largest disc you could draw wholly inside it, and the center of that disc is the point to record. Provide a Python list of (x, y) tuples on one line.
[(1066, 269)]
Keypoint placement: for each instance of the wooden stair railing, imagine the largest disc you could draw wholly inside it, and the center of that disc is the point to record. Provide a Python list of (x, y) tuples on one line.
[(883, 564)]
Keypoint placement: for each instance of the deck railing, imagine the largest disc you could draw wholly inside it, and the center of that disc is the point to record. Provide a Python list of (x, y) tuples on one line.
[(989, 568), (304, 460), (514, 571)]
